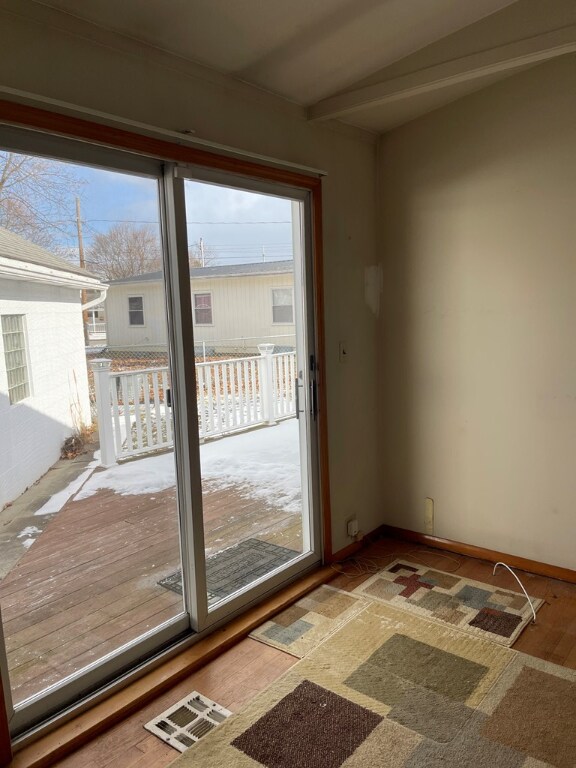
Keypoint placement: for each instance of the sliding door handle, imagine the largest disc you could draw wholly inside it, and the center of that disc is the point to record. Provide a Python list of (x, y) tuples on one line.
[(297, 389), (313, 399)]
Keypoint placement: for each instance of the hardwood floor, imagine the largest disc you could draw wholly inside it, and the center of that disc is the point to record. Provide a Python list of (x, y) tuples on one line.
[(552, 638), (240, 673), (231, 680)]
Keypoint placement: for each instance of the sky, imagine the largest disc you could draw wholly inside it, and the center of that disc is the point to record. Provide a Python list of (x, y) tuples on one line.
[(236, 226)]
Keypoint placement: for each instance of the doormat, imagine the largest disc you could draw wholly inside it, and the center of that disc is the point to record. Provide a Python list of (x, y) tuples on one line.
[(235, 568), (309, 621), (392, 690), (187, 721), (481, 609)]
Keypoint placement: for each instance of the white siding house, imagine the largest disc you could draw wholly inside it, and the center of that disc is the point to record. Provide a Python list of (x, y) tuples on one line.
[(43, 375), (234, 307)]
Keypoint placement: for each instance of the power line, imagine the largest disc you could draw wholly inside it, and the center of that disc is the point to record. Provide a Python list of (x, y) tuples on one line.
[(123, 221)]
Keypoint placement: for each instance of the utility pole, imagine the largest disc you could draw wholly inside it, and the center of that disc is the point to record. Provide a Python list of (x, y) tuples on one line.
[(83, 266), (202, 252), (263, 254)]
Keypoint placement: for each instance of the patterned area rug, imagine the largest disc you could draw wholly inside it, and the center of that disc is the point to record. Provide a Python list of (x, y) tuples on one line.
[(306, 623), (236, 567), (475, 607), (391, 690)]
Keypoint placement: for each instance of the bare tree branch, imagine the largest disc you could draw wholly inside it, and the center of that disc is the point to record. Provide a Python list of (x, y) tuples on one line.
[(36, 195), (124, 250)]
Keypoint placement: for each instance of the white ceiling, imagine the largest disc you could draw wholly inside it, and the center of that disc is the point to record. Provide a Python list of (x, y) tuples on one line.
[(306, 51)]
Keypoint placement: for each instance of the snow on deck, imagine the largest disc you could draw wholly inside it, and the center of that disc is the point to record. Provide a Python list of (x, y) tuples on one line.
[(264, 462)]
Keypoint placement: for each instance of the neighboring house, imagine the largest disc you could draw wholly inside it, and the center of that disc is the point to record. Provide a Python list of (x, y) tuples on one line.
[(43, 375), (234, 306)]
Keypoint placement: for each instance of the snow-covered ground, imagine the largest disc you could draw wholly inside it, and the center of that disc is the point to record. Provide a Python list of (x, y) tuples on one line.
[(56, 502), (28, 534), (263, 463)]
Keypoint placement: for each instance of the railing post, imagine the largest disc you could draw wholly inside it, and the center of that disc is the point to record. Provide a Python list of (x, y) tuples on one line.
[(267, 382), (101, 371)]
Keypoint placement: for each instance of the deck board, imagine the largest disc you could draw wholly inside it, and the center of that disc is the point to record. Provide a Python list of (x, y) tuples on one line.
[(89, 583)]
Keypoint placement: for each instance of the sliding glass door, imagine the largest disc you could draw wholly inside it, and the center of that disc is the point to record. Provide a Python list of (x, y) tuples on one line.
[(254, 386), (157, 384), (88, 490)]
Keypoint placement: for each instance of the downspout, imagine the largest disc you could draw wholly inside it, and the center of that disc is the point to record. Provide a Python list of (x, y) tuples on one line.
[(95, 301)]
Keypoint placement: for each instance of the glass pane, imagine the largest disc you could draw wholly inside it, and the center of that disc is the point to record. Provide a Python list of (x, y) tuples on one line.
[(282, 297), (252, 452), (13, 339), (90, 551), (203, 308)]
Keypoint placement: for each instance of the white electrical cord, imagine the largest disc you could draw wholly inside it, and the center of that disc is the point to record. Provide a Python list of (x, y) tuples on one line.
[(521, 586)]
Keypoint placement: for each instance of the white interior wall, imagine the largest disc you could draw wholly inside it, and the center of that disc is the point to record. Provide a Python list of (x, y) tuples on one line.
[(478, 363), (149, 86), (521, 20)]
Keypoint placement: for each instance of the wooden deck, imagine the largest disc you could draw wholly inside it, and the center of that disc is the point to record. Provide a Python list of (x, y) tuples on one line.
[(89, 583)]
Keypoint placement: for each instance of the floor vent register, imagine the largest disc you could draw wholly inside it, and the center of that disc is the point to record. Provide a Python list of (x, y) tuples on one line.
[(187, 721)]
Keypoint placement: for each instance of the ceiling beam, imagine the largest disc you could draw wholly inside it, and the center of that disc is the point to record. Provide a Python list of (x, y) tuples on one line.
[(504, 58)]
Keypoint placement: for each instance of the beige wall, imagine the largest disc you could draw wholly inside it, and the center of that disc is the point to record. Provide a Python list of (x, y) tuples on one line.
[(241, 313), (87, 70), (242, 308), (119, 332), (478, 359)]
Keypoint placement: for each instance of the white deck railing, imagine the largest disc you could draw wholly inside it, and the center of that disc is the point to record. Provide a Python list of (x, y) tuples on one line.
[(135, 418), (96, 330)]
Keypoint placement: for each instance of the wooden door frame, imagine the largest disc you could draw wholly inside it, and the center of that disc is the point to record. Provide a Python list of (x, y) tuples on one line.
[(94, 133), (24, 116)]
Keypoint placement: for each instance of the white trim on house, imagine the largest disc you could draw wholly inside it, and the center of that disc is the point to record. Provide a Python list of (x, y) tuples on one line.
[(98, 300), (13, 269), (21, 259)]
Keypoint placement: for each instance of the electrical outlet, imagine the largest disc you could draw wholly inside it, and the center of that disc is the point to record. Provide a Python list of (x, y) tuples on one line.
[(429, 515), (352, 527)]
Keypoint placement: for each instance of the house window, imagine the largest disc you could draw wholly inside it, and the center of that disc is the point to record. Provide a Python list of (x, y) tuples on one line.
[(14, 340), (135, 310), (203, 308), (282, 305)]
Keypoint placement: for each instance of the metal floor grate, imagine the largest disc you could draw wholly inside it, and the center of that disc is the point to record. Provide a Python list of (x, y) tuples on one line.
[(187, 721)]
